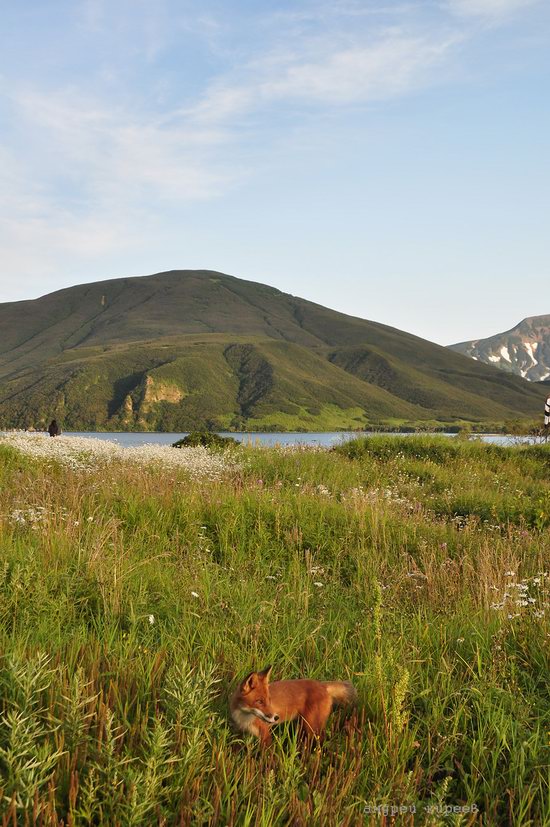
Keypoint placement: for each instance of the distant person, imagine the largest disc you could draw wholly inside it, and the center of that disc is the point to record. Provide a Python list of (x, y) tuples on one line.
[(53, 428), (547, 413)]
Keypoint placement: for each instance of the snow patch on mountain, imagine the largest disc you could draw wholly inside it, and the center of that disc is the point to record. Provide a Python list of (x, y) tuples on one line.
[(530, 347)]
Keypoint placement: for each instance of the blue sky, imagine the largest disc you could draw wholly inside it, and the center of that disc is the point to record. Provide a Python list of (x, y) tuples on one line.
[(387, 159)]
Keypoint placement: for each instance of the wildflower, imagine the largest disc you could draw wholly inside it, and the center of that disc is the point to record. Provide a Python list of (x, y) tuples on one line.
[(151, 619), (28, 515), (319, 585), (509, 574), (460, 640), (194, 594)]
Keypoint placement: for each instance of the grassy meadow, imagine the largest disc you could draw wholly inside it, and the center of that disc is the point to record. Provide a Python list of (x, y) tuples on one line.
[(133, 595)]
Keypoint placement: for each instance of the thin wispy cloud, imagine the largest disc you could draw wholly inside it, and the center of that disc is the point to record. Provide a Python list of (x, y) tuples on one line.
[(110, 148), (489, 8), (96, 176), (389, 67), (322, 74)]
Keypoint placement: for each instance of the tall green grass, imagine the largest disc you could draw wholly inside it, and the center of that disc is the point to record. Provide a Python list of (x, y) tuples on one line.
[(132, 600)]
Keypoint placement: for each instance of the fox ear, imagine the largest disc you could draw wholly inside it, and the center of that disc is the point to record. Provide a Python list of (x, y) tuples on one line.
[(249, 683), (265, 674)]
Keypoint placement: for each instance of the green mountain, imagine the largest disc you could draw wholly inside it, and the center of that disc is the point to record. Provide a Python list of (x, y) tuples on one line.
[(188, 349)]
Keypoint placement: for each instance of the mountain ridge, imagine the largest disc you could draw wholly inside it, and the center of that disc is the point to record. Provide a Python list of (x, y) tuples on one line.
[(182, 349), (524, 350)]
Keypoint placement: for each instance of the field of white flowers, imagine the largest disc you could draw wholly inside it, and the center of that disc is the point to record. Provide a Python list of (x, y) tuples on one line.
[(86, 454)]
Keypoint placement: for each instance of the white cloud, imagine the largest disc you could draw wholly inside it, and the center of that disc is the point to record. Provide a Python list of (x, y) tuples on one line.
[(112, 153), (88, 181), (391, 66), (325, 75), (488, 8), (37, 231)]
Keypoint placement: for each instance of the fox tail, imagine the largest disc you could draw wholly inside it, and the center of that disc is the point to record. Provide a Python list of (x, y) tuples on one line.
[(341, 691)]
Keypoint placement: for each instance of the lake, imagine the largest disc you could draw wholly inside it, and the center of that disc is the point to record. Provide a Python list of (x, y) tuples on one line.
[(326, 439)]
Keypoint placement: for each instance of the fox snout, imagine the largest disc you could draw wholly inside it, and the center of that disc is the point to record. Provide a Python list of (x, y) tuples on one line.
[(263, 716)]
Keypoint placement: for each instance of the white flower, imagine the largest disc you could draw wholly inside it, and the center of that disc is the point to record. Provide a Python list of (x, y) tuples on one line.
[(28, 515), (319, 585), (194, 594), (151, 619), (509, 574)]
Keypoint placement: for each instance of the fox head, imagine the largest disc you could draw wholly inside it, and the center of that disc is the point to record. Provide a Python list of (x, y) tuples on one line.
[(254, 697)]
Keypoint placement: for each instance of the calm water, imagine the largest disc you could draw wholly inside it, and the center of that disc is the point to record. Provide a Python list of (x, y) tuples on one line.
[(326, 439)]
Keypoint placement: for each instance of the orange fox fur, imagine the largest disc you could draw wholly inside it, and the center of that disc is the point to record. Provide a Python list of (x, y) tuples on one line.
[(257, 705)]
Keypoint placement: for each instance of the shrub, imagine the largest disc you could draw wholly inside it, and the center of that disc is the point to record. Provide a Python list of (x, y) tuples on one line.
[(206, 439)]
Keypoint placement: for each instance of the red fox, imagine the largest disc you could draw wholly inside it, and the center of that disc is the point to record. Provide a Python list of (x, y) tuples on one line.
[(257, 705)]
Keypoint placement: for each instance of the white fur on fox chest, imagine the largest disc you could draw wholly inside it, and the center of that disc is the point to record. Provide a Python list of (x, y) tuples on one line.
[(245, 722)]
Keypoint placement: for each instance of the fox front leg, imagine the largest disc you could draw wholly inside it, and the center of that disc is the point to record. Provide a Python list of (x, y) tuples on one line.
[(263, 731)]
